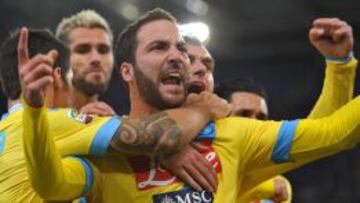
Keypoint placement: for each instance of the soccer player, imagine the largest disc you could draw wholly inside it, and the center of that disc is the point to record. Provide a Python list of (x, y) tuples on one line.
[(152, 60), (148, 49), (248, 98), (74, 134), (89, 38)]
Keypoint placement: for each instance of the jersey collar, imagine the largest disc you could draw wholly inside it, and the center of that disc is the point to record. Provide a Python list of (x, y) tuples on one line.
[(12, 109)]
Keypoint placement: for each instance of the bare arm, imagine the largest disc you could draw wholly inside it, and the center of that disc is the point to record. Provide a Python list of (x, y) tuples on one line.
[(166, 132)]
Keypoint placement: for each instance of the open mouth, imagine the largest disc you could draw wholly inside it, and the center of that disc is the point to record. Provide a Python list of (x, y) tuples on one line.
[(196, 87), (172, 79)]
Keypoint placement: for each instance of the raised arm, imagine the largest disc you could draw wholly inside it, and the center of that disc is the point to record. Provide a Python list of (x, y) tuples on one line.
[(333, 38), (42, 160)]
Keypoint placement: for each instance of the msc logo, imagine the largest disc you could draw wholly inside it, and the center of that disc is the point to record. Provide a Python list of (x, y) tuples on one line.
[(184, 196)]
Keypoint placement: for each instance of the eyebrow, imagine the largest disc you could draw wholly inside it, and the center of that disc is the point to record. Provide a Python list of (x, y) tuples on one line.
[(158, 41)]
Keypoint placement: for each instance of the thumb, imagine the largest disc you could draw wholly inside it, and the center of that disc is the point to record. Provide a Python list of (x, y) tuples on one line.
[(191, 98), (53, 54)]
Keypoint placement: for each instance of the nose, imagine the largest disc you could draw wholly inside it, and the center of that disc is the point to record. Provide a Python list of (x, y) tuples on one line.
[(198, 69), (95, 57), (176, 58)]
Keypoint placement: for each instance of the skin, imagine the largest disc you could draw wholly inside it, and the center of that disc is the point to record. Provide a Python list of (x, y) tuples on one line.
[(202, 67), (91, 62), (155, 134), (160, 53), (330, 36), (249, 105)]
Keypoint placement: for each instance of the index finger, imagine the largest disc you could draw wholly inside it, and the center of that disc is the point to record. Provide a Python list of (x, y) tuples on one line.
[(22, 48)]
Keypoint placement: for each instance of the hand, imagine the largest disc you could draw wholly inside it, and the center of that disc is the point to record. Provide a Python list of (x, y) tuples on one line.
[(218, 107), (332, 37), (35, 73), (281, 193), (98, 108), (192, 168)]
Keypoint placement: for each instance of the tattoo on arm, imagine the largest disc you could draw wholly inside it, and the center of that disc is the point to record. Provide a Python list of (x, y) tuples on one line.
[(155, 134)]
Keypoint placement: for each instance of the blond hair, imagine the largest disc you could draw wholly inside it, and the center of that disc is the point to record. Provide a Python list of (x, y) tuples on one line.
[(85, 18)]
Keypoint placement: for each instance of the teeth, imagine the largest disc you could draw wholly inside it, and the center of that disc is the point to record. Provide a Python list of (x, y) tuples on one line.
[(174, 75)]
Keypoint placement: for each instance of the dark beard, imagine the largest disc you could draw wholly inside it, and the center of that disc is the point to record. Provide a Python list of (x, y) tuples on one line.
[(150, 93), (88, 88)]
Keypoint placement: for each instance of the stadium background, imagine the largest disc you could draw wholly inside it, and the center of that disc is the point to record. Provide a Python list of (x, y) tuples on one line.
[(266, 40)]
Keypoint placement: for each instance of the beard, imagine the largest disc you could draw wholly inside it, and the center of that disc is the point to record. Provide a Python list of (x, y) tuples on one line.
[(150, 92), (89, 88)]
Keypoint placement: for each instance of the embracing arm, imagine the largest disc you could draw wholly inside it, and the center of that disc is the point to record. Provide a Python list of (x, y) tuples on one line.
[(166, 132)]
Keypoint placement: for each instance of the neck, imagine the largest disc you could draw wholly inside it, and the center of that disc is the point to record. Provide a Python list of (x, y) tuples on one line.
[(139, 108), (79, 99)]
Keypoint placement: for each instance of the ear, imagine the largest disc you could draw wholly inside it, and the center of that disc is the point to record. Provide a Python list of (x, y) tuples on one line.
[(127, 71), (58, 82)]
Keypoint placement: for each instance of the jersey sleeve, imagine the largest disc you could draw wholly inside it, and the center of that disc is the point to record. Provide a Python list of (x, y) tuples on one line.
[(53, 177), (265, 191), (337, 90), (82, 134), (302, 141), (338, 87)]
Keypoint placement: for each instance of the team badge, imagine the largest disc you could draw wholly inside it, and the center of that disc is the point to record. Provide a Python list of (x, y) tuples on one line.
[(80, 117)]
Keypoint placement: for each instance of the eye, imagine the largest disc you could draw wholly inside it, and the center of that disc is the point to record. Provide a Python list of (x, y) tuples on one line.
[(192, 59), (103, 49), (244, 113), (82, 48), (159, 46), (182, 48), (209, 63), (262, 116)]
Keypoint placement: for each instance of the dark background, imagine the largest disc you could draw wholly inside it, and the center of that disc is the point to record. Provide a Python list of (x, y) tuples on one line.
[(266, 40)]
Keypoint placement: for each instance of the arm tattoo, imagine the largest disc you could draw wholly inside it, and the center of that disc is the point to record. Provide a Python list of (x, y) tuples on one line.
[(155, 134)]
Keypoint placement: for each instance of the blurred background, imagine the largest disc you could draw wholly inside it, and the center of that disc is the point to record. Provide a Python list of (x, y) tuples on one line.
[(265, 40)]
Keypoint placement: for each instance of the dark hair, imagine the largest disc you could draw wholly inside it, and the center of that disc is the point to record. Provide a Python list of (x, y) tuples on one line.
[(126, 43), (225, 89), (40, 41)]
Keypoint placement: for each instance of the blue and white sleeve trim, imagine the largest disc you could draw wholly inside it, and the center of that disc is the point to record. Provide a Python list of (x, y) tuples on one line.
[(89, 174), (284, 141), (104, 136), (340, 60)]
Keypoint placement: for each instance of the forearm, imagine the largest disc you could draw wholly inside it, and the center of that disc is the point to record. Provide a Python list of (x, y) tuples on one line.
[(161, 133), (51, 177), (337, 89)]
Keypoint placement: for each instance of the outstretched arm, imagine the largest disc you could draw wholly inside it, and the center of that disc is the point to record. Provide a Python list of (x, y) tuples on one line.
[(333, 38)]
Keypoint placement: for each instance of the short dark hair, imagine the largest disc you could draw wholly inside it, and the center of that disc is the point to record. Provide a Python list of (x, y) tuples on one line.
[(126, 43), (40, 41), (225, 89)]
